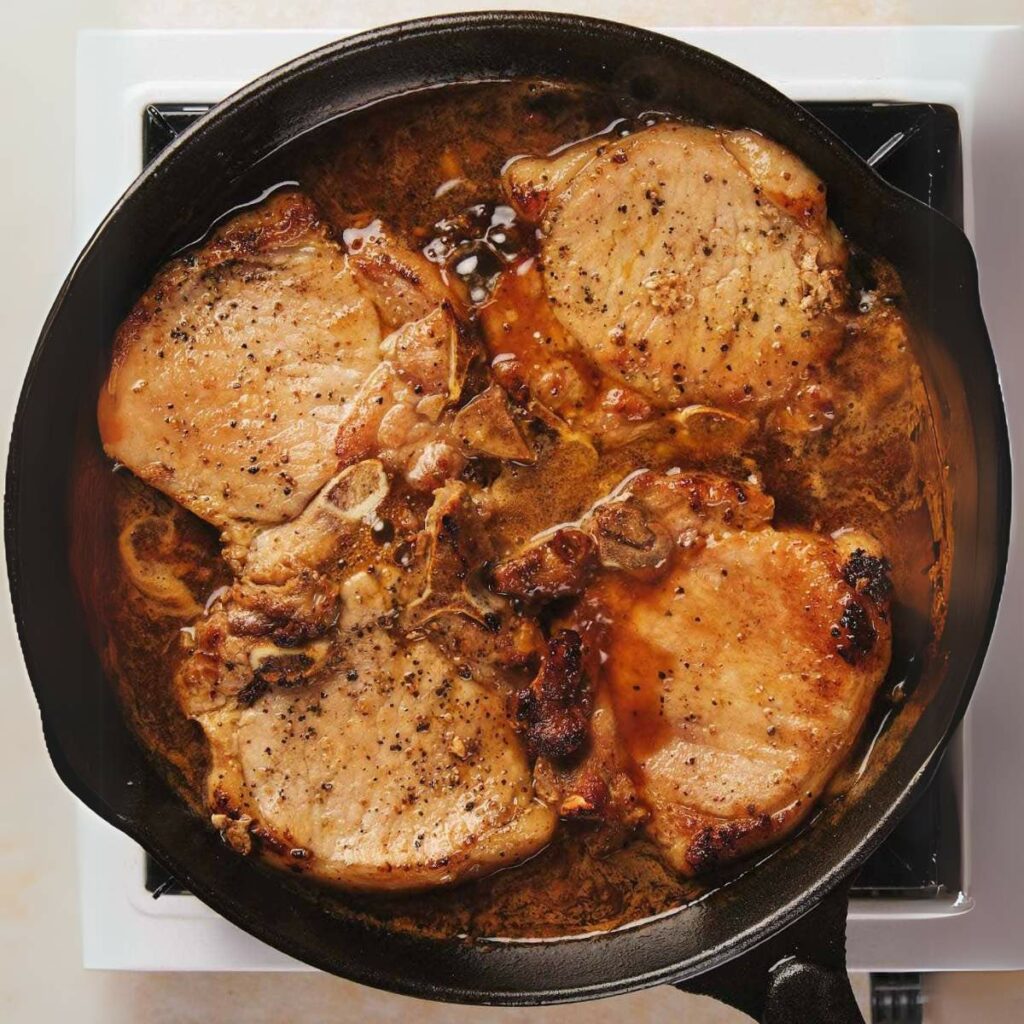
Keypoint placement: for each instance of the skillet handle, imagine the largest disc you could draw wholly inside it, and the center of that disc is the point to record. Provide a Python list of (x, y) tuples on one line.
[(800, 992), (798, 976)]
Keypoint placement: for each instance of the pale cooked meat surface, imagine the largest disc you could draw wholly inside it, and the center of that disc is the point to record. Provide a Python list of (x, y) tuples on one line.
[(694, 265), (390, 771), (741, 679), (231, 374), (359, 756)]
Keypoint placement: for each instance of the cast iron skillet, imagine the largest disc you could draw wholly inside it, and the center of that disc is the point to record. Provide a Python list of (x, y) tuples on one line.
[(772, 942)]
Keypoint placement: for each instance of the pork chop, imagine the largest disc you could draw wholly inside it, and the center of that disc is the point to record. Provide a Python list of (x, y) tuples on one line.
[(403, 285), (741, 676), (339, 747), (241, 364), (231, 374), (691, 264)]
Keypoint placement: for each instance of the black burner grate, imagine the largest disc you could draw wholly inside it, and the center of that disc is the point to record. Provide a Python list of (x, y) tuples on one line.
[(916, 147)]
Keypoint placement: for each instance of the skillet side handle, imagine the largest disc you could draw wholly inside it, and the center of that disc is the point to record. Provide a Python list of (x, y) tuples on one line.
[(797, 976)]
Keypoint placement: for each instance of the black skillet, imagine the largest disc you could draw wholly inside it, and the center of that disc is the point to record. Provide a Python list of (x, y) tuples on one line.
[(771, 942)]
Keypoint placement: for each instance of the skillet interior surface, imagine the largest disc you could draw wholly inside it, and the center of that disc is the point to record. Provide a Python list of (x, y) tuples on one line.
[(91, 747)]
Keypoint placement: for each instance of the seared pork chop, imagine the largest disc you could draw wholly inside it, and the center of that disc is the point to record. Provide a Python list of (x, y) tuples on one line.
[(340, 747), (740, 677), (231, 374), (386, 770), (693, 265), (238, 367)]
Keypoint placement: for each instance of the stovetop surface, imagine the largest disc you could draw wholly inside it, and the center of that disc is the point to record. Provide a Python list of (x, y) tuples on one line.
[(915, 147)]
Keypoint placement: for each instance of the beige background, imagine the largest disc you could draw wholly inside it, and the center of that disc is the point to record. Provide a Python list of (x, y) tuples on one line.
[(41, 977)]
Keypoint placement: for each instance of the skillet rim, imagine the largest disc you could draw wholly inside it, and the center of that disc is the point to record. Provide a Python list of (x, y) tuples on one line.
[(803, 122)]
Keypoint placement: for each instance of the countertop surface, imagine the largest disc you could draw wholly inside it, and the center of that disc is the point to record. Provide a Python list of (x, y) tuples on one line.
[(41, 976)]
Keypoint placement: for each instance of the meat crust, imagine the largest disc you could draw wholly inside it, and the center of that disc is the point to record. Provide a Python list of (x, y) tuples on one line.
[(554, 710)]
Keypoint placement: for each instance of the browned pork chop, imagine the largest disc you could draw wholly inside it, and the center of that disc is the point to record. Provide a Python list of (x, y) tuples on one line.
[(741, 676), (231, 374), (386, 770), (243, 362), (340, 747), (694, 265)]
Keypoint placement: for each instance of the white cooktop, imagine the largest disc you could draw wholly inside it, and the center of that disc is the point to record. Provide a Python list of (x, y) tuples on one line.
[(119, 73)]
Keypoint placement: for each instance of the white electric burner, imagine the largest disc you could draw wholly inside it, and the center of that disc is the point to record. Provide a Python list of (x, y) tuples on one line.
[(938, 112)]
